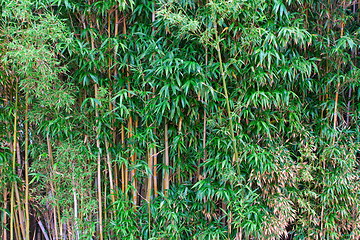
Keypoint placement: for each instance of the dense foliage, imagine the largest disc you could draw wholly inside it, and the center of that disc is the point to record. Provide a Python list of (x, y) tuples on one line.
[(179, 119)]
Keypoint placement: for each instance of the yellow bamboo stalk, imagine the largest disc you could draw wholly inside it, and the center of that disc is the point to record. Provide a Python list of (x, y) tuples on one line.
[(124, 171), (18, 234), (12, 200), (21, 220), (132, 160), (155, 182), (27, 213), (52, 188), (150, 177), (100, 213), (4, 234), (108, 158)]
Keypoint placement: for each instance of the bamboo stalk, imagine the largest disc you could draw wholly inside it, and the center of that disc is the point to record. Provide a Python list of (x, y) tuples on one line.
[(166, 160), (61, 234), (155, 182), (27, 213), (5, 193), (113, 128), (153, 154), (116, 32), (76, 217), (12, 200), (336, 105), (178, 170), (124, 171), (153, 151), (150, 177), (99, 193), (20, 216), (100, 215), (149, 181), (52, 188), (18, 234), (21, 220), (69, 230), (132, 160), (149, 186), (108, 160), (45, 234), (342, 25), (204, 123), (222, 72), (19, 162)]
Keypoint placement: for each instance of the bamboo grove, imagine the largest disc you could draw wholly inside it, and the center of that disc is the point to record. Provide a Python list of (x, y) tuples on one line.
[(179, 119)]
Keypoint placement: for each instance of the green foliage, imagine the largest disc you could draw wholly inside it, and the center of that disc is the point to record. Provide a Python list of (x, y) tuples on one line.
[(251, 107)]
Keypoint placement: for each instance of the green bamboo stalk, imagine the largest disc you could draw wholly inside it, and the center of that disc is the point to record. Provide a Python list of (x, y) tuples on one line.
[(12, 198), (222, 72), (166, 181)]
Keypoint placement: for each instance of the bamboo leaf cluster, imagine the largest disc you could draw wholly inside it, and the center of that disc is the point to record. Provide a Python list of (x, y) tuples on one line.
[(181, 119)]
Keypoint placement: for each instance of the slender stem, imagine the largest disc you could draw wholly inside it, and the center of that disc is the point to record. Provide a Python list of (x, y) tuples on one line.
[(76, 217), (41, 225), (149, 187), (100, 213), (4, 222), (108, 160), (338, 84), (222, 72), (124, 171), (12, 199), (155, 184), (52, 187), (166, 160), (20, 215), (149, 181), (27, 214)]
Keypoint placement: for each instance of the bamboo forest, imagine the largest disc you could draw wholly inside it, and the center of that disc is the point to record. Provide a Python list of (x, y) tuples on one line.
[(179, 119)]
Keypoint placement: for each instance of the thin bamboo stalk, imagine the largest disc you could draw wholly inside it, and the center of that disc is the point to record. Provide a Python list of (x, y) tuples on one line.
[(100, 213), (149, 187), (27, 213), (222, 72), (61, 234), (335, 120), (150, 177), (153, 154), (124, 171), (21, 223), (155, 178), (45, 234), (178, 169), (132, 160), (12, 200), (76, 217), (113, 128), (4, 234), (108, 160), (18, 234), (52, 187), (99, 193), (166, 180)]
